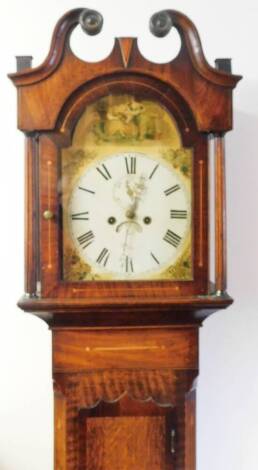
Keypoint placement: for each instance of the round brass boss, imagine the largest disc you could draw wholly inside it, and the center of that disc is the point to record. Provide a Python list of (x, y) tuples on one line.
[(48, 215)]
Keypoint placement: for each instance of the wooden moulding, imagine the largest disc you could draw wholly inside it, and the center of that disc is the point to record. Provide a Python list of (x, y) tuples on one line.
[(207, 90), (190, 429), (220, 217), (30, 211), (111, 312)]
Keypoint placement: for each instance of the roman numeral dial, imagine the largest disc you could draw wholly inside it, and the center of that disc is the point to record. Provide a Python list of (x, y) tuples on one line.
[(178, 214), (129, 215), (86, 239), (130, 164), (172, 238), (103, 257), (103, 171), (129, 265), (80, 216), (172, 190)]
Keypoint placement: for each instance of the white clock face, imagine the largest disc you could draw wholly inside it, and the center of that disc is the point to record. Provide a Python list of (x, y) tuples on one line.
[(129, 216)]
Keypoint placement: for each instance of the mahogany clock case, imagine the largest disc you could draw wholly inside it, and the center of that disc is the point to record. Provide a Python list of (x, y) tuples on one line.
[(125, 353), (52, 97)]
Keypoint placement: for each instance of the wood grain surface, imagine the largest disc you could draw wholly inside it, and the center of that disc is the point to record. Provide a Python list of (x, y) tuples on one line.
[(138, 348), (125, 354), (126, 443)]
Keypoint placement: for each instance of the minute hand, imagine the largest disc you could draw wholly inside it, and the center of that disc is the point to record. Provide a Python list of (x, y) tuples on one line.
[(131, 211)]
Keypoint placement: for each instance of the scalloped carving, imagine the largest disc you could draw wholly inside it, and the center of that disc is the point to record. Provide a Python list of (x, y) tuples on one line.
[(162, 386)]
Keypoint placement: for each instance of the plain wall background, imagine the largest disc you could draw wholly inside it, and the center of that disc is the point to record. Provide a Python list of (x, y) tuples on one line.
[(228, 382)]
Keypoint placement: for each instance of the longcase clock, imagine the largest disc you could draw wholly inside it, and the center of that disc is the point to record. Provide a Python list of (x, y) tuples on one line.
[(118, 245)]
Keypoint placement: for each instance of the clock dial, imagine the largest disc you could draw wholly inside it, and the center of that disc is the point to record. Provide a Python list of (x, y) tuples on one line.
[(126, 186), (129, 216)]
